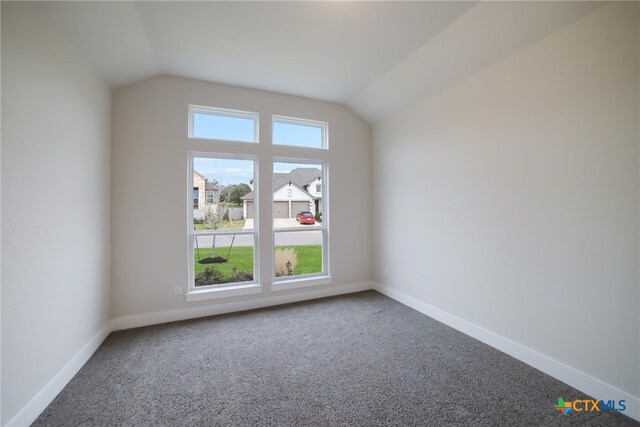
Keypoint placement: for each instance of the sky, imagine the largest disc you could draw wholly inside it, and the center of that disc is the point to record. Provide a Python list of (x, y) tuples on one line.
[(301, 136), (243, 129), (227, 171)]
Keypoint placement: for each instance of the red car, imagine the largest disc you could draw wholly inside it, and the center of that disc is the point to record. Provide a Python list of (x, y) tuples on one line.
[(305, 217)]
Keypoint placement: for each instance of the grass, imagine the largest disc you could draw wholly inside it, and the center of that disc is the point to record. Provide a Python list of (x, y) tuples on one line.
[(309, 258), (241, 257), (237, 224)]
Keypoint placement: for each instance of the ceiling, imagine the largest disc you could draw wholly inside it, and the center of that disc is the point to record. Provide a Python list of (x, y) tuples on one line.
[(373, 56)]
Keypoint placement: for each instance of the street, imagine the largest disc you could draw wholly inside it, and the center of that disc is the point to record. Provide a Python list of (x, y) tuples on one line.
[(282, 239)]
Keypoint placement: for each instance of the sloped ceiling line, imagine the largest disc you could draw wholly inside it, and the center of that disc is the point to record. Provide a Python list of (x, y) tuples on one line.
[(374, 57)]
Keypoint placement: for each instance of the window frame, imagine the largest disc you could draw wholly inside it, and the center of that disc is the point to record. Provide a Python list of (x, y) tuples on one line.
[(324, 126), (312, 279), (196, 293), (223, 112)]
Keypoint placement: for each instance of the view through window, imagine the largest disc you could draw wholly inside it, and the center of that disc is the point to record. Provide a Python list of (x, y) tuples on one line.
[(223, 233), (299, 232), (223, 200), (222, 124)]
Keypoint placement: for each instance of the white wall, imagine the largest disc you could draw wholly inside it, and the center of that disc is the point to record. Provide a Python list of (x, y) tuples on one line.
[(150, 158), (524, 183), (55, 205), (312, 188), (281, 194)]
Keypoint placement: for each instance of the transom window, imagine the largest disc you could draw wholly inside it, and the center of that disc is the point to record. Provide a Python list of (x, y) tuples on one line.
[(222, 124), (299, 132)]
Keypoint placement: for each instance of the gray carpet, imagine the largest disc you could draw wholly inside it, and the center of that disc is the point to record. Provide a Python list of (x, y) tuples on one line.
[(355, 360)]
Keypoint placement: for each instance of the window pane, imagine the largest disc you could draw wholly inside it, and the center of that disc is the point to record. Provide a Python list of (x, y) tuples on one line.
[(296, 202), (222, 194), (222, 259), (223, 127), (298, 252), (299, 135)]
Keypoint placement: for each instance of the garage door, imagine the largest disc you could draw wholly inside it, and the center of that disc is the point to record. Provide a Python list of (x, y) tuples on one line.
[(298, 206), (249, 210), (281, 209)]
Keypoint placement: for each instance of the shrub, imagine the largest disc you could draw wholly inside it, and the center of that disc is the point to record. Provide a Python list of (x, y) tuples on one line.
[(318, 217), (241, 276), (286, 261), (211, 276)]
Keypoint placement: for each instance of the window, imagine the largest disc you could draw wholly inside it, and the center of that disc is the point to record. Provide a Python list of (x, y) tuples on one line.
[(196, 198), (222, 235), (300, 234), (222, 124), (299, 132), (223, 240)]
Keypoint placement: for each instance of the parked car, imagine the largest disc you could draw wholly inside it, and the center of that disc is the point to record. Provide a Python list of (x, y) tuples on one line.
[(305, 217)]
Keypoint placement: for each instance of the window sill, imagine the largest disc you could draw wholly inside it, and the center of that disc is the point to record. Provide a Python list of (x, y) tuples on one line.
[(223, 292), (284, 285)]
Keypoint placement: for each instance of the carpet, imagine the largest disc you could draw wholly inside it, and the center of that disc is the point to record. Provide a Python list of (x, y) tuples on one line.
[(354, 360)]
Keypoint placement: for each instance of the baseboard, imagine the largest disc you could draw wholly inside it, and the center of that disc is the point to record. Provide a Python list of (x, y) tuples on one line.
[(34, 408), (567, 374), (147, 319)]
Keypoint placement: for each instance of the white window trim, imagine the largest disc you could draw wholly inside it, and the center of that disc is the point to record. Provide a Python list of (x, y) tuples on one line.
[(222, 290), (324, 126), (301, 282), (226, 112), (304, 280)]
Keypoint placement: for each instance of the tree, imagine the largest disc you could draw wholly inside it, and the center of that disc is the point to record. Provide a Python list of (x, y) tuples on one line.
[(213, 220), (233, 193), (213, 217)]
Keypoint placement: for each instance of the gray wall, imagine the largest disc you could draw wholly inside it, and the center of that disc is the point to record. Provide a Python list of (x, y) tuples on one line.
[(525, 178), (55, 156)]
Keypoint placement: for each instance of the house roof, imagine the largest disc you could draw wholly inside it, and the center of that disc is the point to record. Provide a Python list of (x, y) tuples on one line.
[(298, 177)]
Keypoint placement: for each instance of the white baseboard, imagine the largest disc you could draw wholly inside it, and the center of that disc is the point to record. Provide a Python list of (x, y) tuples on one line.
[(567, 374), (138, 320), (34, 408)]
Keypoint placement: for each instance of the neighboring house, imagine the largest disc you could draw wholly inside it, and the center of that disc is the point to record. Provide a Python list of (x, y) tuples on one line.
[(205, 193), (298, 190)]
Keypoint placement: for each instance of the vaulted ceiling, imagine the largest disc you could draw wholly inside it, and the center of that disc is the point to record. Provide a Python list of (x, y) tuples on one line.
[(373, 56)]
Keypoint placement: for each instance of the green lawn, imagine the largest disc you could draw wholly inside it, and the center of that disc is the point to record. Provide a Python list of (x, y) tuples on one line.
[(241, 257), (309, 258)]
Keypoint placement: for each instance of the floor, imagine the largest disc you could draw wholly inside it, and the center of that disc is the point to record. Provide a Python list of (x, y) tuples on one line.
[(355, 360)]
